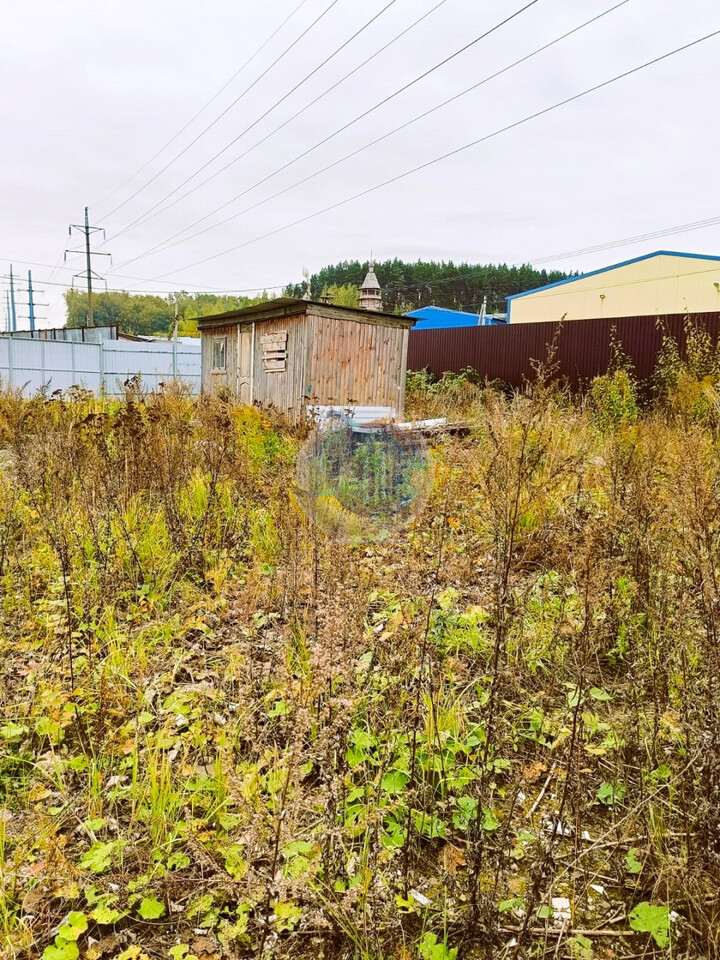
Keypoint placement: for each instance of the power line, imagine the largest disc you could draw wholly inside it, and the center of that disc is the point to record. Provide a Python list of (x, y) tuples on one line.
[(631, 283), (168, 244), (431, 284), (145, 216), (205, 105), (88, 273), (228, 108), (159, 293), (281, 126), (616, 285), (201, 288), (331, 136), (449, 154), (639, 238)]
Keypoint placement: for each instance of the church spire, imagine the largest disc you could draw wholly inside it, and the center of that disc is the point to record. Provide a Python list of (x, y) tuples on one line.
[(370, 292)]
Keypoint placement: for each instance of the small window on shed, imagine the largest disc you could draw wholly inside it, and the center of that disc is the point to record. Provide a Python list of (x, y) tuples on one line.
[(274, 351), (219, 353)]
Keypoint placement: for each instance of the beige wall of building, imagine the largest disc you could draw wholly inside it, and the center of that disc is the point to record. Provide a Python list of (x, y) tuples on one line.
[(657, 284)]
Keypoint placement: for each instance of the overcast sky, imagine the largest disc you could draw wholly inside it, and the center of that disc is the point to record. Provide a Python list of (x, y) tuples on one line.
[(92, 91)]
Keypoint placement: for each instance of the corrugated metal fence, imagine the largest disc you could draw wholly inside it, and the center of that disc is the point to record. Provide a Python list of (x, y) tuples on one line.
[(583, 348), (57, 365)]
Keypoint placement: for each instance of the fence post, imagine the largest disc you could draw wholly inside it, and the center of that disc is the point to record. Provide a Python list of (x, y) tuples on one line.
[(101, 365), (174, 359), (72, 362)]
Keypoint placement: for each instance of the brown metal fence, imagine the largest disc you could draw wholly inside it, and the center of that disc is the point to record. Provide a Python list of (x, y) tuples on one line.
[(583, 348)]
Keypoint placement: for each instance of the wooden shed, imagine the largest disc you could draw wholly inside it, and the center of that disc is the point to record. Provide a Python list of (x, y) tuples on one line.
[(293, 354)]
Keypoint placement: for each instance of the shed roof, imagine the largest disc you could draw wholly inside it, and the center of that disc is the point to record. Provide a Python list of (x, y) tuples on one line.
[(615, 266), (292, 307)]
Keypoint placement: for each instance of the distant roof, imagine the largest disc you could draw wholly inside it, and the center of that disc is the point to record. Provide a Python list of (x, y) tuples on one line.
[(371, 281), (614, 266), (292, 307), (438, 318), (435, 318)]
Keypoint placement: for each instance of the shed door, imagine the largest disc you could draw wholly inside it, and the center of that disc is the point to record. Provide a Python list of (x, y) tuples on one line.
[(244, 363)]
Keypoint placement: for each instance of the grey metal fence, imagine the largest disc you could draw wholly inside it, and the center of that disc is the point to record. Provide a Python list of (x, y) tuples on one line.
[(32, 365)]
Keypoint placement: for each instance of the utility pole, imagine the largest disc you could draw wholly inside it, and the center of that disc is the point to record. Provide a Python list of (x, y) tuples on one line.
[(88, 273), (31, 303), (7, 310), (13, 313)]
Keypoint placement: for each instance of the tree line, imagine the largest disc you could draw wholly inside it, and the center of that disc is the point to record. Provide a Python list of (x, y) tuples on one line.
[(150, 314), (407, 286)]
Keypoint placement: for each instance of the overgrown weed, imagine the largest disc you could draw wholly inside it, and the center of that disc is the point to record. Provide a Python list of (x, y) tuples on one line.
[(225, 734)]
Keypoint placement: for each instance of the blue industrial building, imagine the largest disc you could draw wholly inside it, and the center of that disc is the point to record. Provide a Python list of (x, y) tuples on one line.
[(438, 318)]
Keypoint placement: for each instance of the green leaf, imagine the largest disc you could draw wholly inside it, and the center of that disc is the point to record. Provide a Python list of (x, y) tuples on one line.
[(611, 794), (13, 731), (573, 696), (98, 858), (394, 782), (466, 813), (296, 847), (75, 925), (362, 739), (429, 825), (178, 861), (395, 836), (95, 824), (661, 774), (106, 915), (287, 916), (228, 821), (516, 903), (235, 863), (151, 908), (545, 912), (430, 948), (279, 709), (655, 920), (490, 821), (581, 947), (632, 863), (62, 950), (597, 694)]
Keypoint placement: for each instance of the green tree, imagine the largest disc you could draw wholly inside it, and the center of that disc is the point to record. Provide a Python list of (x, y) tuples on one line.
[(346, 295), (406, 286), (150, 314)]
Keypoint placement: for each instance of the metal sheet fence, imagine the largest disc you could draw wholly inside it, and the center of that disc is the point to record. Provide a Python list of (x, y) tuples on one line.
[(582, 348), (78, 334), (32, 365)]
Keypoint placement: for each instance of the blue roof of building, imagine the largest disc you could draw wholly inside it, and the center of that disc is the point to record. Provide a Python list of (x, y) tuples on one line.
[(438, 318)]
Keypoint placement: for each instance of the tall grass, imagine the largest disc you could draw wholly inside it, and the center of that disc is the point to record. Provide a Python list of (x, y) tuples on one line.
[(495, 735)]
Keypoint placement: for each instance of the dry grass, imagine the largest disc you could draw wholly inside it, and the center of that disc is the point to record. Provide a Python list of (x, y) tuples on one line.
[(224, 734)]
